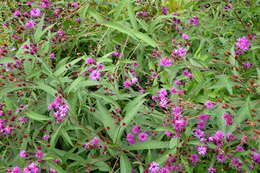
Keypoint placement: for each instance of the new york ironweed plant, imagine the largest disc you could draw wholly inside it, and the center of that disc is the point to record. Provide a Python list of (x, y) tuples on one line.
[(129, 86)]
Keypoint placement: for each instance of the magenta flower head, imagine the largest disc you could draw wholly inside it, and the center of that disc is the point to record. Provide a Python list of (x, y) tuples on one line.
[(46, 137), (95, 141), (247, 64), (194, 21), (163, 102), (23, 154), (52, 56), (35, 12), (165, 62), (136, 129), (180, 52), (221, 157), (236, 162), (209, 104), (30, 24), (130, 138), (230, 137), (39, 154), (51, 170), (90, 61), (165, 10), (162, 93), (243, 43), (184, 36), (94, 75), (256, 157), (203, 117), (202, 150), (219, 135), (228, 119), (142, 137), (127, 84), (16, 170), (154, 167), (211, 170), (134, 80), (194, 158), (17, 13), (178, 82), (198, 133)]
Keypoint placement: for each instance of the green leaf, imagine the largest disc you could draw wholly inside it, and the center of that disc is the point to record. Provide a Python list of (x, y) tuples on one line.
[(6, 60), (131, 15), (131, 33), (152, 144), (125, 165), (105, 117), (56, 167), (131, 110), (36, 116)]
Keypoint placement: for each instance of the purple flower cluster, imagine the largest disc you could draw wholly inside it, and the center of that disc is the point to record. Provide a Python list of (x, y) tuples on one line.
[(60, 108), (136, 130)]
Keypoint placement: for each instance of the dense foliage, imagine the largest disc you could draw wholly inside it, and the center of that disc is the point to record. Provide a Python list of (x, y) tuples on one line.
[(153, 86)]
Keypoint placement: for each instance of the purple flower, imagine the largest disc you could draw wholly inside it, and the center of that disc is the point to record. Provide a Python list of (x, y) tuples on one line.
[(230, 137), (180, 52), (221, 157), (117, 54), (16, 170), (162, 93), (184, 36), (35, 12), (154, 167), (198, 133), (52, 55), (95, 141), (165, 10), (167, 133), (95, 75), (17, 13), (142, 137), (78, 20), (256, 157), (202, 150), (130, 138), (219, 135), (136, 129), (247, 64), (211, 170), (30, 24), (194, 158), (173, 91), (90, 61), (127, 84), (100, 66), (194, 21), (236, 162), (39, 154), (228, 119), (51, 170), (243, 43), (228, 6), (209, 104), (203, 117), (134, 80), (201, 125), (23, 154), (163, 102), (177, 82), (46, 137), (239, 148), (165, 62)]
